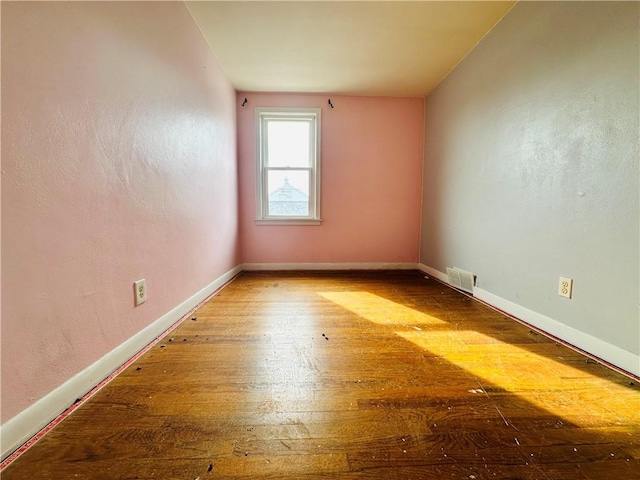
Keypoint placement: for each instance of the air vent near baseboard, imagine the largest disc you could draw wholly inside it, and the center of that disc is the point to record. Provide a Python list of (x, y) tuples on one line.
[(461, 279)]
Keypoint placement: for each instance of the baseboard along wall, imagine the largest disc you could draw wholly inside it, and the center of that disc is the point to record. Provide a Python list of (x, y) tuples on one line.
[(263, 267)]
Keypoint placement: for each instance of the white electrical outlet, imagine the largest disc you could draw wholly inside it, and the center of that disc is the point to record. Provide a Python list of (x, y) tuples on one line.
[(565, 287), (140, 291)]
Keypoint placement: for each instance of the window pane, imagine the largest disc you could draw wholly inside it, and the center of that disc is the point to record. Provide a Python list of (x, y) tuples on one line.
[(288, 143), (288, 193)]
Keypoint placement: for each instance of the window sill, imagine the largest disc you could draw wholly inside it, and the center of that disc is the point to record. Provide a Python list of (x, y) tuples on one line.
[(289, 221)]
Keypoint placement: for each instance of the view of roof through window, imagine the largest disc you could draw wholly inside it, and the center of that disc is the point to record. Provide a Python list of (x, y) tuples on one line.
[(287, 199)]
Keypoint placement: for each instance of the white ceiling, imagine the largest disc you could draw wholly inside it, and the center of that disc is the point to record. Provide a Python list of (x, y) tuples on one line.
[(391, 48)]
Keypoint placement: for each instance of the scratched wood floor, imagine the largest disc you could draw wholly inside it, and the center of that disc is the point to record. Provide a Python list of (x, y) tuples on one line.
[(385, 375)]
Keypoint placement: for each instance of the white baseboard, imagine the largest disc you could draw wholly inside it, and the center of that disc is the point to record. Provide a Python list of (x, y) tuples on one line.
[(617, 356), (30, 421), (627, 361), (263, 267), (434, 273)]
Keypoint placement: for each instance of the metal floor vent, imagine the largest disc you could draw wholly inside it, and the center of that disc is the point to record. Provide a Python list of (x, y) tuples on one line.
[(461, 279)]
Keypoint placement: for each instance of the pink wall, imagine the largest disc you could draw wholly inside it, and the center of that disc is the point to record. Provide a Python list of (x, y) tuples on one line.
[(371, 182), (118, 163)]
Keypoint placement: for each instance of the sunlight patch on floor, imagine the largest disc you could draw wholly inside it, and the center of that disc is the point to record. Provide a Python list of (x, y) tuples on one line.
[(380, 310), (525, 373), (513, 369)]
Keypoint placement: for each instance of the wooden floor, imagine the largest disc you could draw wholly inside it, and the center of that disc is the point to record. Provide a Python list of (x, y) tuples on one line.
[(349, 376)]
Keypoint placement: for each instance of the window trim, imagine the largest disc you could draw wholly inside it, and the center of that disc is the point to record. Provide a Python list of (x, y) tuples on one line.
[(263, 115)]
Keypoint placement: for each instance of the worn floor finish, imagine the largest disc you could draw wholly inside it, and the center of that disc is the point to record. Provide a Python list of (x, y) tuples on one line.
[(349, 376)]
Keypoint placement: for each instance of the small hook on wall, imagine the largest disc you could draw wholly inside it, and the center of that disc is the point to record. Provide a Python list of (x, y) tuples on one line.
[(245, 101), (330, 104)]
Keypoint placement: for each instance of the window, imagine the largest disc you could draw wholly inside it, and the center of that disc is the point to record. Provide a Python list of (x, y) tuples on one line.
[(288, 176)]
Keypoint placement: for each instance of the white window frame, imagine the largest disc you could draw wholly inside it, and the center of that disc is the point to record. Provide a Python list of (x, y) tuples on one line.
[(263, 116)]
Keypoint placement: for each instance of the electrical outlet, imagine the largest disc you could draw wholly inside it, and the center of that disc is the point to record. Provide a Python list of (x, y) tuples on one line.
[(565, 287), (140, 291)]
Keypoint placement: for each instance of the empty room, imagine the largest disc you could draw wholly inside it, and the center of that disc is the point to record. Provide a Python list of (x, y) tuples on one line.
[(320, 239)]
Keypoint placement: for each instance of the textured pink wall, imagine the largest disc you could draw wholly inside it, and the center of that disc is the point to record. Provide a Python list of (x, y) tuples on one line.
[(118, 163), (371, 182)]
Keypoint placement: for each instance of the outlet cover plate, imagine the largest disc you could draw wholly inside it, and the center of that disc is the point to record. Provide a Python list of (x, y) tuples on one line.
[(140, 291), (565, 287)]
